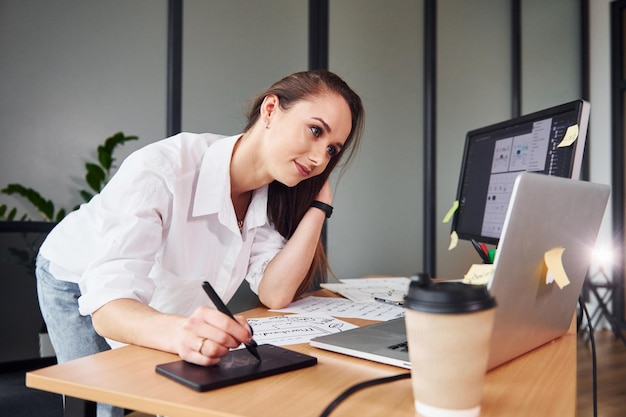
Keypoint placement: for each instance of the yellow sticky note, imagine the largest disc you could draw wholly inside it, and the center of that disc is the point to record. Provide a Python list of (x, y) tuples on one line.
[(454, 240), (479, 274), (571, 134), (556, 272), (450, 212)]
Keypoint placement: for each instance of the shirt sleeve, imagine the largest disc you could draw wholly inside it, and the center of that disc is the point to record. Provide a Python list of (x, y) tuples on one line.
[(129, 214), (267, 243)]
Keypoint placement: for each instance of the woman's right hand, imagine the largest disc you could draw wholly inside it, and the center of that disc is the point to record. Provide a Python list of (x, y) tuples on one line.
[(208, 334)]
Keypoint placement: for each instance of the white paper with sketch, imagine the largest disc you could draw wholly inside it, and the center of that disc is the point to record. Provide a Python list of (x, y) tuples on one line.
[(340, 307), (363, 290), (295, 328)]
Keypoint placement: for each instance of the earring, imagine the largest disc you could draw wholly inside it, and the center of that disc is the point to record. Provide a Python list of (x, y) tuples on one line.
[(267, 125)]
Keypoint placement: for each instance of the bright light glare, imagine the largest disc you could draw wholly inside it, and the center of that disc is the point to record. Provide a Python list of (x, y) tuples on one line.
[(603, 256)]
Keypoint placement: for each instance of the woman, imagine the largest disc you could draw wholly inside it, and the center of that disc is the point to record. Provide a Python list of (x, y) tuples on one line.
[(127, 267)]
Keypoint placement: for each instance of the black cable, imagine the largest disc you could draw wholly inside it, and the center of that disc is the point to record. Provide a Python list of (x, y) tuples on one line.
[(583, 307), (359, 386)]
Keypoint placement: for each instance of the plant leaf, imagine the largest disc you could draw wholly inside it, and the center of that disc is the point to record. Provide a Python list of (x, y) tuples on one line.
[(86, 195), (111, 142), (105, 158), (96, 170), (105, 152), (93, 181), (60, 215), (48, 207), (45, 207), (11, 215), (95, 176)]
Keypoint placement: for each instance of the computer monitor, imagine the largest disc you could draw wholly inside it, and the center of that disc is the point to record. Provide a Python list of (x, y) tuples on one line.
[(496, 154)]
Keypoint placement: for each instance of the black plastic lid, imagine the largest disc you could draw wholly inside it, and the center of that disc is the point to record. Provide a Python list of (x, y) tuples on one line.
[(447, 297)]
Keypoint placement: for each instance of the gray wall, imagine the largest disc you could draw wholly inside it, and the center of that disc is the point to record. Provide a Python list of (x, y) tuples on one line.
[(474, 85), (233, 49), (377, 228), (74, 72)]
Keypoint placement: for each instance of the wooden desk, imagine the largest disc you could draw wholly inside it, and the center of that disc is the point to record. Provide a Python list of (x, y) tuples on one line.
[(540, 383)]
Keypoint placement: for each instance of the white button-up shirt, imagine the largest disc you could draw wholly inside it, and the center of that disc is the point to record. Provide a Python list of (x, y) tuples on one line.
[(163, 224)]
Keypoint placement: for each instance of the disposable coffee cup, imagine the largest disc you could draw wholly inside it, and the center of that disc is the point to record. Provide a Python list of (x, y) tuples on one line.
[(449, 327)]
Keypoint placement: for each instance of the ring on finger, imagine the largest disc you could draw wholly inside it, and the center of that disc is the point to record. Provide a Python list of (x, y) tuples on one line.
[(201, 345)]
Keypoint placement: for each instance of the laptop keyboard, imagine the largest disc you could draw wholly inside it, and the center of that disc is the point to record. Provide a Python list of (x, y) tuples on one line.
[(400, 347)]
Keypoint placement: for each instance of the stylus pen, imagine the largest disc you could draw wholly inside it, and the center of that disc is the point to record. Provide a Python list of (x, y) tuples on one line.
[(219, 304), (387, 301), (483, 255)]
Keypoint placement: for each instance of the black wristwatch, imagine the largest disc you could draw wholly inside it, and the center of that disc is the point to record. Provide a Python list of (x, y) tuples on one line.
[(326, 208)]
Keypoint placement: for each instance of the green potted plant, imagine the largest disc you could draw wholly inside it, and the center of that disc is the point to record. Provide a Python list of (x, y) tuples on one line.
[(97, 175)]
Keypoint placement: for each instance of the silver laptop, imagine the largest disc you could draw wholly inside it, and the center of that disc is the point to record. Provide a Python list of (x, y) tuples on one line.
[(544, 213)]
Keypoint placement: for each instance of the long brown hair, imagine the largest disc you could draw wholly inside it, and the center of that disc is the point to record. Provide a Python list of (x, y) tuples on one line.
[(287, 205)]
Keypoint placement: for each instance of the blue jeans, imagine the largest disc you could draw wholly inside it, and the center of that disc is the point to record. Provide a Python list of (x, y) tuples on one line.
[(72, 335)]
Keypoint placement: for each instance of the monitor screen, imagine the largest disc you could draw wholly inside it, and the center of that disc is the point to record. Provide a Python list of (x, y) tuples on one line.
[(496, 154)]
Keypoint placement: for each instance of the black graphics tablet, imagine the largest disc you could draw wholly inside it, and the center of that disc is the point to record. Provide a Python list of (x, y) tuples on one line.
[(236, 367)]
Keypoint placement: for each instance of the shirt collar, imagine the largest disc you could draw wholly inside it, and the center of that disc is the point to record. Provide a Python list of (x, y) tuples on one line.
[(212, 191)]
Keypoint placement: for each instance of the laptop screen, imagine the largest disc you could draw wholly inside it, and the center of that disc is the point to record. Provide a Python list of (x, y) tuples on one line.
[(496, 154)]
